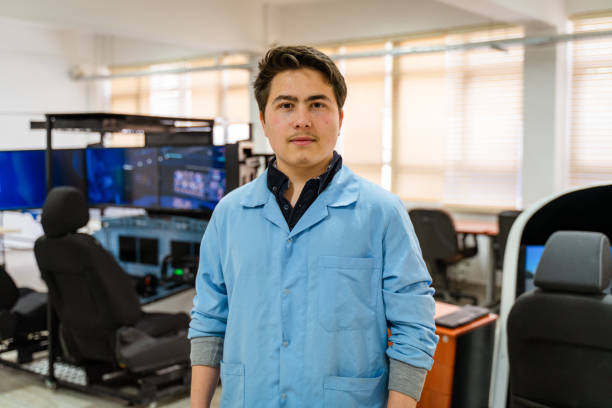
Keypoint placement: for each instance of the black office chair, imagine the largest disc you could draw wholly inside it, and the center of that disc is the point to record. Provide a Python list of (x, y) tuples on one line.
[(560, 334), (440, 247), (99, 314), (22, 317), (505, 219)]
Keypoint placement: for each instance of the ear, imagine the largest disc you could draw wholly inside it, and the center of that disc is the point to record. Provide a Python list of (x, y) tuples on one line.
[(341, 118), (261, 119)]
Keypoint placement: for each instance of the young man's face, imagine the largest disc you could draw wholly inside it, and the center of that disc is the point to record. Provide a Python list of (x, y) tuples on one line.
[(302, 120)]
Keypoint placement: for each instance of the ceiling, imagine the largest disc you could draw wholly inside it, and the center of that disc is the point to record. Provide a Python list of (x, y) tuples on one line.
[(252, 24)]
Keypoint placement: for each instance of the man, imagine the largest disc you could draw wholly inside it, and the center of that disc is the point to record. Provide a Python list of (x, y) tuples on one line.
[(303, 269)]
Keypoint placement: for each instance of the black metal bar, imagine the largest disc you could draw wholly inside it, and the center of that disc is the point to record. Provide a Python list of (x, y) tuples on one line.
[(49, 154), (51, 323)]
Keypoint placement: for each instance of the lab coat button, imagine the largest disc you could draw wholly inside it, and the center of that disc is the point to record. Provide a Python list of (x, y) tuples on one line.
[(285, 343)]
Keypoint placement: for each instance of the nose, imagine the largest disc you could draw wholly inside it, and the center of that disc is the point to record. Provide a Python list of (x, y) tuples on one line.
[(302, 119)]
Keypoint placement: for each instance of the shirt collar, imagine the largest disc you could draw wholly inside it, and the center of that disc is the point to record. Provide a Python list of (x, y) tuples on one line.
[(278, 182), (343, 190)]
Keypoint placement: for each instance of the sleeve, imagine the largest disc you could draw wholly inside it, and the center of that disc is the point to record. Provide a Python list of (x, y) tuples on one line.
[(407, 295), (406, 379), (210, 304), (206, 351)]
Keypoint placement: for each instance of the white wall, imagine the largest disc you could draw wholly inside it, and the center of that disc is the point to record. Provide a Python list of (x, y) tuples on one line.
[(544, 122), (126, 51), (34, 79)]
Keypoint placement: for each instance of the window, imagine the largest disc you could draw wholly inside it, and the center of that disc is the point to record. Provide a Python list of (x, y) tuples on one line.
[(362, 128), (484, 135), (454, 120), (590, 138), (219, 94)]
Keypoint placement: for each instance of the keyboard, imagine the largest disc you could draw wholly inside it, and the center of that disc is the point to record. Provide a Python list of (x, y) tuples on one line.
[(461, 317)]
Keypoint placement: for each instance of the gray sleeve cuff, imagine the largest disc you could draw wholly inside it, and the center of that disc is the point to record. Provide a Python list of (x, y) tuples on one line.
[(206, 351), (406, 379)]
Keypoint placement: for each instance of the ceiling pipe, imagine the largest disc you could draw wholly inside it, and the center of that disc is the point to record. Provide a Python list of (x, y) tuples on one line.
[(76, 74)]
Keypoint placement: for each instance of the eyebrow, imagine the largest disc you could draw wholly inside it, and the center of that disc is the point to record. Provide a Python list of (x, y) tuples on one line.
[(294, 99)]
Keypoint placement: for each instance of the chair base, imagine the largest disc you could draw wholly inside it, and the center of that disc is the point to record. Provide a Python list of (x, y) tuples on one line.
[(107, 381)]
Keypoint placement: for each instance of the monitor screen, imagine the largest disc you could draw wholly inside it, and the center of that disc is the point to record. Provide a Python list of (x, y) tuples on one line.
[(123, 176), (22, 180), (533, 253), (69, 168), (192, 178)]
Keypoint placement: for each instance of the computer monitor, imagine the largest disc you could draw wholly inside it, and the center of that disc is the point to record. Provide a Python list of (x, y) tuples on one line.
[(191, 178), (122, 176), (530, 256), (22, 179), (69, 169)]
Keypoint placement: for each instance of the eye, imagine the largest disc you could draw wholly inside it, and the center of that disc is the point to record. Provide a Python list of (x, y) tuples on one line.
[(285, 105), (318, 105)]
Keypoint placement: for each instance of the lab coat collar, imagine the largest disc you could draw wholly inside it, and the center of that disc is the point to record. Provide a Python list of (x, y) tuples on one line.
[(342, 191)]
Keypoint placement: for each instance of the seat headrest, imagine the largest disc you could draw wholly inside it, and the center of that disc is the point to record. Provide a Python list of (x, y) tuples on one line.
[(65, 211), (575, 261)]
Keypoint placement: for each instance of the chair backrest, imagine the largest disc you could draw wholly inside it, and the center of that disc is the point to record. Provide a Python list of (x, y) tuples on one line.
[(8, 290), (505, 219), (559, 334), (88, 289), (436, 233)]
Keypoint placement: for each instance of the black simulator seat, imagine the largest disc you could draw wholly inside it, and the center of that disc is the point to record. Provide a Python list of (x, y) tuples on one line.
[(559, 334), (97, 307), (23, 317), (440, 247)]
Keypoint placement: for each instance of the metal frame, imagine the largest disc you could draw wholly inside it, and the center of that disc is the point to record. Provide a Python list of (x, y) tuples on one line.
[(148, 387)]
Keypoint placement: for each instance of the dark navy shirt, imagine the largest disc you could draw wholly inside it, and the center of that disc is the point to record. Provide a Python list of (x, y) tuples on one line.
[(278, 183)]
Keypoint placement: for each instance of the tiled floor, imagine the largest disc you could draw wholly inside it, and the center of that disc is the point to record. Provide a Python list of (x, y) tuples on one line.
[(23, 390)]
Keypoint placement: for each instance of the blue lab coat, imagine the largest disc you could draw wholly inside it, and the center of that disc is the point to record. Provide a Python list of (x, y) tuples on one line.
[(304, 313)]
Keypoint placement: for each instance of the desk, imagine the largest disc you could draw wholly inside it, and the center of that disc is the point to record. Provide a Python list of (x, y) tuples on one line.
[(462, 362), (490, 229), (477, 227)]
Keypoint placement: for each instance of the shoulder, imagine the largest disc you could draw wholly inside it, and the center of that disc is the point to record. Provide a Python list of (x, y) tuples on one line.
[(249, 194), (374, 195)]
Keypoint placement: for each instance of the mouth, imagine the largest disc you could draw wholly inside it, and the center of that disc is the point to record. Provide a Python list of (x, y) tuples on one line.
[(302, 140)]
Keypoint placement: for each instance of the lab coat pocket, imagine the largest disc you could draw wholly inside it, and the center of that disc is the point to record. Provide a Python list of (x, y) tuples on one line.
[(347, 392), (348, 292), (232, 385)]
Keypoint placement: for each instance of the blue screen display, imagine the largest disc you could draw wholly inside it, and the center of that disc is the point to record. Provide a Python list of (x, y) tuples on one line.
[(22, 179), (69, 168), (192, 178), (123, 176), (533, 253)]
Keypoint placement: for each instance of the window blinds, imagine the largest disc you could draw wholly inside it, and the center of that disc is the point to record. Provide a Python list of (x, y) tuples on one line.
[(590, 136), (459, 122), (364, 112), (205, 94)]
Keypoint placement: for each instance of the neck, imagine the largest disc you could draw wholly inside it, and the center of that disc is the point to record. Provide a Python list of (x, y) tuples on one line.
[(299, 176)]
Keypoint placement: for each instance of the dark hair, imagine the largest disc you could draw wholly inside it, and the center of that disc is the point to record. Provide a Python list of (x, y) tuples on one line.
[(281, 59)]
